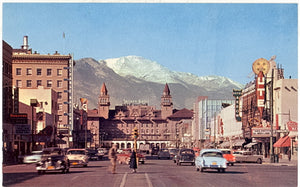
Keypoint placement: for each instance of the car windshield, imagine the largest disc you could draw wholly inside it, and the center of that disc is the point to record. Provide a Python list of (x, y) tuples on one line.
[(77, 152), (226, 152), (238, 153), (187, 152), (212, 154)]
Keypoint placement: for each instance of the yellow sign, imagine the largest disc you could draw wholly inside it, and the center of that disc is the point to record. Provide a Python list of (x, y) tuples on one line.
[(259, 65)]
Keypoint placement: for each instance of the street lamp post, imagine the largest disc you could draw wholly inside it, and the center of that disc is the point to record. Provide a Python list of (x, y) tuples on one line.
[(271, 119)]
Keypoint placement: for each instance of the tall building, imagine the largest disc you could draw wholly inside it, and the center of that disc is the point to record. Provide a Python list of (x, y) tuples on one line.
[(31, 70), (279, 111), (157, 127), (7, 100), (204, 123)]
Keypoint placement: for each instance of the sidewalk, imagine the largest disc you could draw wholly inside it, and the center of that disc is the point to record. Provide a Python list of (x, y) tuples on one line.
[(283, 161)]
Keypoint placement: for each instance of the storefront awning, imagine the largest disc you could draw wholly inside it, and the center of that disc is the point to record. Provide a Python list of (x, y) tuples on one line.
[(283, 142), (238, 143), (249, 145)]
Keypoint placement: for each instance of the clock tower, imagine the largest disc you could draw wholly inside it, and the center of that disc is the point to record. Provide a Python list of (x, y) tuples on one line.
[(166, 103), (103, 102)]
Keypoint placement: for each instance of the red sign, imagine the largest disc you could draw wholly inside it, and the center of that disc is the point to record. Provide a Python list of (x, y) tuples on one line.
[(292, 126), (260, 92)]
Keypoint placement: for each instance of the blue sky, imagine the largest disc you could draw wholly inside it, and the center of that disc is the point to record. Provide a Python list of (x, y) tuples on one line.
[(203, 39)]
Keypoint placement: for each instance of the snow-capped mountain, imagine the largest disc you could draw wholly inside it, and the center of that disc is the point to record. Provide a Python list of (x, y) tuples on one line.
[(137, 78), (151, 71)]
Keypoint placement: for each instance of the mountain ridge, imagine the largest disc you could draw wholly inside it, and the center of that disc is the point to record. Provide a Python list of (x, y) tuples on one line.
[(137, 78)]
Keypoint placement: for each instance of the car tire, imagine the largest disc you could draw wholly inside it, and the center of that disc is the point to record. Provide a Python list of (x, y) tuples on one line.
[(259, 161), (201, 169), (223, 170), (231, 164), (143, 162), (197, 169), (39, 172)]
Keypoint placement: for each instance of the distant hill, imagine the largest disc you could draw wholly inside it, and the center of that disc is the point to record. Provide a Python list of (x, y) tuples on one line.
[(134, 78)]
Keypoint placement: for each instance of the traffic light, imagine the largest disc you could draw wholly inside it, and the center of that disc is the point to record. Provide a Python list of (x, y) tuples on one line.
[(135, 133)]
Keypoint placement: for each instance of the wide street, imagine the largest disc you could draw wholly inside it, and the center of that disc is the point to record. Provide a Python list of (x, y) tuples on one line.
[(154, 173)]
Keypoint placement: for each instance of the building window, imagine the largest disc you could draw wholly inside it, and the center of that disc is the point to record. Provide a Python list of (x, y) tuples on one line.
[(49, 83), (39, 83), (19, 83), (38, 71), (60, 118), (59, 72), (49, 72), (28, 71), (29, 83), (18, 71), (59, 95), (59, 84), (60, 106), (157, 131)]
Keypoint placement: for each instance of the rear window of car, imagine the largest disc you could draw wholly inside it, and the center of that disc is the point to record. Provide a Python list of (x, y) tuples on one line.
[(226, 152), (212, 154), (77, 152)]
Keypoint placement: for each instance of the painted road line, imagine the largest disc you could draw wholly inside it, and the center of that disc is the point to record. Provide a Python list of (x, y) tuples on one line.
[(74, 178), (148, 180), (123, 180)]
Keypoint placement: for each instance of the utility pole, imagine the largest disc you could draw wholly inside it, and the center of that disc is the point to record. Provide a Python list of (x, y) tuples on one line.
[(271, 119)]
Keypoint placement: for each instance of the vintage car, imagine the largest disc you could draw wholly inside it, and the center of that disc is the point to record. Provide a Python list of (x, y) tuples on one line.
[(124, 157), (53, 159), (164, 153), (247, 156), (93, 154), (211, 159), (197, 151), (78, 157), (173, 152), (154, 150), (102, 151), (227, 154), (34, 157), (185, 156)]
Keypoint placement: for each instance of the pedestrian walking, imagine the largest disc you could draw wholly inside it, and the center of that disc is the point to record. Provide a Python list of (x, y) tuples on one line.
[(289, 154), (133, 163), (112, 155)]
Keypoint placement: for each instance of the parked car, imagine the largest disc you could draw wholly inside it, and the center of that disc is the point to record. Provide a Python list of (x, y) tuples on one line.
[(185, 156), (227, 154), (53, 159), (78, 157), (164, 153), (247, 156), (211, 159), (34, 157)]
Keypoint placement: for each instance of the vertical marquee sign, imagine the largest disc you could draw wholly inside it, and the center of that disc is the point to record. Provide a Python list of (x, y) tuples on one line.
[(260, 67), (260, 92), (237, 94)]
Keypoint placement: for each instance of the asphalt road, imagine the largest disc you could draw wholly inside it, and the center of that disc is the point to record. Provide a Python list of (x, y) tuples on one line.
[(154, 173)]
